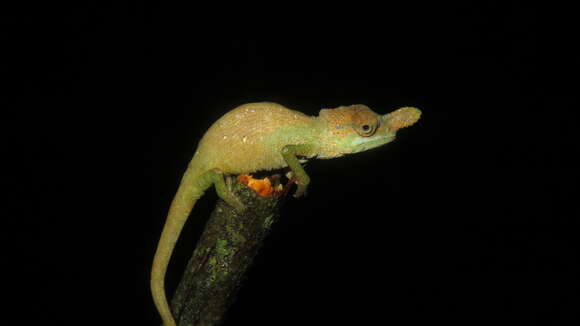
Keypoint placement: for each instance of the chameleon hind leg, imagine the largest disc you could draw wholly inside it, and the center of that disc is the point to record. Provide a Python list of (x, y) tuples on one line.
[(217, 178)]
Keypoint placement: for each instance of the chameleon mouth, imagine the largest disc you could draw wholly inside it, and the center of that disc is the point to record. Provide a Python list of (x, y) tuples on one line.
[(363, 144)]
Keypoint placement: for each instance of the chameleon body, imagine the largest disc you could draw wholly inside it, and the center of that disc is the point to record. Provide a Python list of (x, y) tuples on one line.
[(266, 136)]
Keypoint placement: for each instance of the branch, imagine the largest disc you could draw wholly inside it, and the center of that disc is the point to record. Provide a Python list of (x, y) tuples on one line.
[(222, 257)]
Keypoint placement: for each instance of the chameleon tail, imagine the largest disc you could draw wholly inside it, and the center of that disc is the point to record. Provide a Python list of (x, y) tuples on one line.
[(190, 190)]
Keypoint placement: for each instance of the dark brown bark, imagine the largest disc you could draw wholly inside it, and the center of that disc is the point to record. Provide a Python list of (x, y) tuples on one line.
[(222, 257)]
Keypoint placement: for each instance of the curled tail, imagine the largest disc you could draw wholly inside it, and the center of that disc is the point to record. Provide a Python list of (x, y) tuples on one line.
[(188, 193)]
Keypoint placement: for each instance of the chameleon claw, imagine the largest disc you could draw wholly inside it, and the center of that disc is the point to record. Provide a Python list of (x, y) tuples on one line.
[(300, 192), (236, 203), (229, 183), (241, 208)]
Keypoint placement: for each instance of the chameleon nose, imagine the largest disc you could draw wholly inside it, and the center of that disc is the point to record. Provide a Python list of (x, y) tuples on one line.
[(401, 118)]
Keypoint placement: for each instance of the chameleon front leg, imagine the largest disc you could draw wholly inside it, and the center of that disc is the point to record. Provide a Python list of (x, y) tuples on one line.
[(290, 153)]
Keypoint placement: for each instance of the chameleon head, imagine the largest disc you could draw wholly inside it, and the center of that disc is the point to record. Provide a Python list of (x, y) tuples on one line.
[(356, 128)]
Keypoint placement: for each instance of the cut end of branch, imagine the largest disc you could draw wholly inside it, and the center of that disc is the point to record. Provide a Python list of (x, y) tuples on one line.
[(263, 187)]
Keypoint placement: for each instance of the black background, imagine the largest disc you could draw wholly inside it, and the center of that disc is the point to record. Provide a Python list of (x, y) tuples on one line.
[(468, 216)]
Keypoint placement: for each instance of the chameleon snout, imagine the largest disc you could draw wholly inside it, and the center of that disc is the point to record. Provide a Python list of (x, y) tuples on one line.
[(401, 118)]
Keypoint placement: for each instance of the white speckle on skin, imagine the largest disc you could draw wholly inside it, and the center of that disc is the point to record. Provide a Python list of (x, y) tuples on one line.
[(245, 139), (225, 137)]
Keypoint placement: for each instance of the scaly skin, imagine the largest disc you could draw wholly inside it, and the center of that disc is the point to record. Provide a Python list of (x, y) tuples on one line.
[(267, 136)]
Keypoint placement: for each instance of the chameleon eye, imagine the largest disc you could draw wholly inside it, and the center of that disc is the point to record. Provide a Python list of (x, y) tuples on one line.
[(365, 130)]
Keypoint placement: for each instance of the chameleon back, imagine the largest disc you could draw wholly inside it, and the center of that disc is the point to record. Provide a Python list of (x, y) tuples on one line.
[(250, 137)]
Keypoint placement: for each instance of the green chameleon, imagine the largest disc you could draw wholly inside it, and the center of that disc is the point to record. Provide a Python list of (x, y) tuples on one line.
[(267, 136)]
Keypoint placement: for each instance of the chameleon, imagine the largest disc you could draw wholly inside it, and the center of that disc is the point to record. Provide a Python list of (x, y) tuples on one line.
[(267, 136)]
